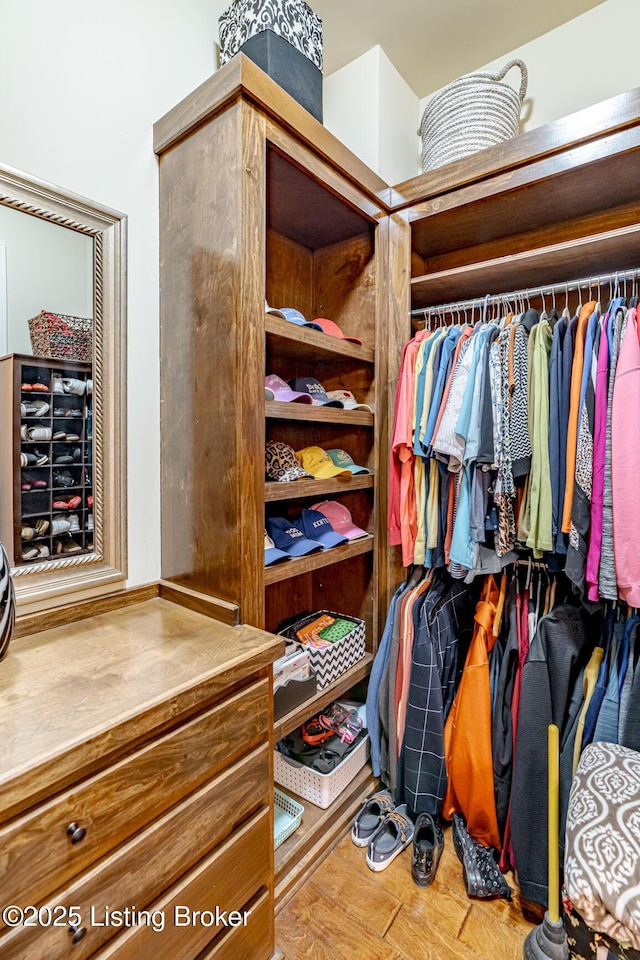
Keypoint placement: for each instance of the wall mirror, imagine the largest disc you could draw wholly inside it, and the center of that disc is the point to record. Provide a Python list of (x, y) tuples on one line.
[(62, 392)]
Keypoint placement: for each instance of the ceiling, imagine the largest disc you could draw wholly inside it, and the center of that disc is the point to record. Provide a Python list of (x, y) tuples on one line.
[(431, 42)]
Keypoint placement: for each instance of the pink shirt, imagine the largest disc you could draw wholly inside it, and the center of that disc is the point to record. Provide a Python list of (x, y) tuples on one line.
[(599, 451), (625, 464)]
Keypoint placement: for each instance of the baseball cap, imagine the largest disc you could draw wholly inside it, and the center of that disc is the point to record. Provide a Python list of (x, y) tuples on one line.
[(293, 316), (317, 392), (342, 459), (349, 402), (280, 463), (340, 519), (318, 462), (289, 538), (332, 328), (271, 552), (275, 388), (316, 526)]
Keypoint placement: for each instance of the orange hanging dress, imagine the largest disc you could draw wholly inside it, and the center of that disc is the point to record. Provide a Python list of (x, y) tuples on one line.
[(467, 732)]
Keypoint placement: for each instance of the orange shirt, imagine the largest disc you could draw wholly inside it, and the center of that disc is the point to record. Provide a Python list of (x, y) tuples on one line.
[(574, 411), (467, 732)]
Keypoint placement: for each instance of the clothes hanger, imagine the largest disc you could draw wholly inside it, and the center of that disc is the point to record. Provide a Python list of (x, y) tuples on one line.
[(566, 313)]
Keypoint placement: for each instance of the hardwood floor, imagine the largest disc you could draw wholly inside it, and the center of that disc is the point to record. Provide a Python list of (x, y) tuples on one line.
[(347, 912)]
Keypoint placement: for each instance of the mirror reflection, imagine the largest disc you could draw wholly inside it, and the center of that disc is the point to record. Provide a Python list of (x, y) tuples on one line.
[(46, 379)]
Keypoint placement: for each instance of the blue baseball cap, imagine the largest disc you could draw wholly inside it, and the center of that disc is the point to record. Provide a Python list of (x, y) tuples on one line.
[(314, 388), (271, 552), (315, 526), (289, 538), (293, 316)]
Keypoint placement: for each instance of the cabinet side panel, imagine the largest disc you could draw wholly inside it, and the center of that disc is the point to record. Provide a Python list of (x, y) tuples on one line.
[(207, 376), (391, 337)]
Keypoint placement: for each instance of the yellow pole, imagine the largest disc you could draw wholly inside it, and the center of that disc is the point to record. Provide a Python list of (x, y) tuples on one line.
[(554, 823)]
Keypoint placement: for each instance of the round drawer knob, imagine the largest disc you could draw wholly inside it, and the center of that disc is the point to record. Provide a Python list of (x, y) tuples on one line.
[(78, 933), (76, 833)]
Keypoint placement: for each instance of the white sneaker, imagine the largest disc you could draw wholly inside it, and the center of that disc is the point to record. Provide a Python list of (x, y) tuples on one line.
[(74, 523)]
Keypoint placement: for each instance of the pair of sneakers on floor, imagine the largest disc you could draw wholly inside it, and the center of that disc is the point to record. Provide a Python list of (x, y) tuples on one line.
[(386, 830)]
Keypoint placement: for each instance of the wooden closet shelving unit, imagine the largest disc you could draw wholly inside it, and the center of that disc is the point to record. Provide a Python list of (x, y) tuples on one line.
[(259, 201)]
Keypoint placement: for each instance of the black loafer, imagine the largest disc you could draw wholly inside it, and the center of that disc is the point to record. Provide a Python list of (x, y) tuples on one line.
[(428, 844)]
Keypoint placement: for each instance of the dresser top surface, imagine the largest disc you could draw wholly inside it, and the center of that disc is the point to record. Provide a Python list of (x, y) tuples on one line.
[(79, 690)]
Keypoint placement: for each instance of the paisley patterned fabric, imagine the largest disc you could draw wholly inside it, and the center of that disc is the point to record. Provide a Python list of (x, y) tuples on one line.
[(293, 20), (602, 862), (7, 602)]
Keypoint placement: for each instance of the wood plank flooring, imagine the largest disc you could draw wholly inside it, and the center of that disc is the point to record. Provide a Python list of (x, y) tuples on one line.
[(347, 912)]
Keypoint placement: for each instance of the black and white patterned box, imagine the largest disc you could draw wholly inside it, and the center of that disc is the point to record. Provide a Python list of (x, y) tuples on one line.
[(293, 20)]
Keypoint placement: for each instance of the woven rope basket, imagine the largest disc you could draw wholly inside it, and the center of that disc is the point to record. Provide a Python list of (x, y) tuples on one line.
[(471, 113)]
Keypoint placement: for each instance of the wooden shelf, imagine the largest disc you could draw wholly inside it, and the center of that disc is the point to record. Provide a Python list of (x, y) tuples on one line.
[(308, 344), (599, 253), (277, 410), (297, 489), (315, 561), (322, 698), (318, 833)]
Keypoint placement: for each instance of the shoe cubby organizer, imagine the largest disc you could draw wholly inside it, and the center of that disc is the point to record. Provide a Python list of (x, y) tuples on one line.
[(46, 504)]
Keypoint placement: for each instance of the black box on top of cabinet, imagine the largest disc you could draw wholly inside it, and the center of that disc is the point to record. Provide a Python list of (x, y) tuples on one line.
[(284, 38)]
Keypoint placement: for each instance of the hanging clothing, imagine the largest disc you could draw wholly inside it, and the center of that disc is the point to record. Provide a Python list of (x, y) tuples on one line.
[(467, 732), (443, 633), (556, 656), (625, 464)]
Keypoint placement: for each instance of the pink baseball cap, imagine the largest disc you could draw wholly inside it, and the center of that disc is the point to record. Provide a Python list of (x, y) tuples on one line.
[(340, 519), (332, 328), (275, 388)]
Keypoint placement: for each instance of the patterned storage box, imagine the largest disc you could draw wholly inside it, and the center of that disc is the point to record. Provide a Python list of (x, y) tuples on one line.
[(328, 663), (321, 789), (284, 38)]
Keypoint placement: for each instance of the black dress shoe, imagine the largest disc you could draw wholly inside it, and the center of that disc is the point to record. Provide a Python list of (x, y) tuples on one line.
[(482, 878), (428, 844)]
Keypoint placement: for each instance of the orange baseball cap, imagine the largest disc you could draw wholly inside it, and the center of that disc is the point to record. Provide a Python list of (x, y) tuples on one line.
[(332, 328)]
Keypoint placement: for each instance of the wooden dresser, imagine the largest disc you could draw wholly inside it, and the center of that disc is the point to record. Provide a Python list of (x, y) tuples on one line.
[(136, 815)]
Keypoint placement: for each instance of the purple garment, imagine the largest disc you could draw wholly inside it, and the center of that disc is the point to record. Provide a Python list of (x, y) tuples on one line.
[(599, 451)]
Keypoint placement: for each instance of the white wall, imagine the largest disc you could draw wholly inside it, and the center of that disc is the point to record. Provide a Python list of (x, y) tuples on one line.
[(82, 84), (371, 109), (588, 59)]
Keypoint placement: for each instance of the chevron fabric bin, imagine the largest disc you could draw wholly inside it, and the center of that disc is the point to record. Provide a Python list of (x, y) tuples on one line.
[(328, 663)]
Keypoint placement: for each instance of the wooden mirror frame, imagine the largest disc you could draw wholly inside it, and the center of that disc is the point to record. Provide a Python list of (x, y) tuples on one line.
[(43, 586)]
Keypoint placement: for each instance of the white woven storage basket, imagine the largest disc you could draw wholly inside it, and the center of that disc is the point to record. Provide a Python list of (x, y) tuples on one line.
[(471, 113), (321, 789)]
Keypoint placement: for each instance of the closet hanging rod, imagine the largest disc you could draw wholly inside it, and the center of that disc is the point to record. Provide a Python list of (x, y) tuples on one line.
[(526, 293)]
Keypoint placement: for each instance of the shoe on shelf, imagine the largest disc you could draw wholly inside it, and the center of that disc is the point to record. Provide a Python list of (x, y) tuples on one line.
[(370, 816), (40, 387), (74, 523), (482, 878), (36, 552), (394, 834), (60, 525), (27, 533), (341, 721), (73, 437), (38, 433), (428, 844), (56, 384), (73, 385), (36, 482), (40, 458), (62, 478), (63, 459), (90, 500), (89, 521), (42, 527), (70, 546), (34, 408)]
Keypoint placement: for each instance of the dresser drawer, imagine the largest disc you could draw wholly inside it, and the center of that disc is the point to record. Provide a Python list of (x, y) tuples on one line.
[(226, 880), (142, 869), (253, 942), (38, 850)]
